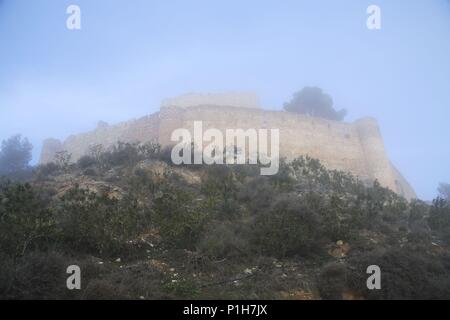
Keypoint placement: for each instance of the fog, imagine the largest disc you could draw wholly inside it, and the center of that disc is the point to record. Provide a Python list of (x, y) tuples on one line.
[(129, 55)]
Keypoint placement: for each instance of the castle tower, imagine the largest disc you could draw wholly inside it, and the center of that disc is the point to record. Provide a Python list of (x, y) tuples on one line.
[(378, 165), (49, 149)]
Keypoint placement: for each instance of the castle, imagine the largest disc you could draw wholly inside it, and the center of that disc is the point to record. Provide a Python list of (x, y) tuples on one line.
[(352, 147)]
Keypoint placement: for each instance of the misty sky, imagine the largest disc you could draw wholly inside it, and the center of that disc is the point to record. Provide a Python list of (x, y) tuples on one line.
[(130, 55)]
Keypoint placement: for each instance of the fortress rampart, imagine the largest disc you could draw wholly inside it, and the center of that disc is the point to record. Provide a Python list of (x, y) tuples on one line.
[(353, 147)]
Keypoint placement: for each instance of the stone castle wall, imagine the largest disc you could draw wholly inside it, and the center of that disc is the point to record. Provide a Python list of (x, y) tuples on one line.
[(353, 147), (356, 147), (141, 130)]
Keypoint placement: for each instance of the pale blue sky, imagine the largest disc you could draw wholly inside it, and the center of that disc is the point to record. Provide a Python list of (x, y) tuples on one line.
[(131, 54)]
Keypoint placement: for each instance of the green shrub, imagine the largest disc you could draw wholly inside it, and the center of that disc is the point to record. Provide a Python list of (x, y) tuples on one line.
[(7, 268), (45, 171), (180, 217), (332, 281), (290, 227), (223, 239), (219, 187), (36, 275), (405, 274), (149, 150), (165, 155), (439, 219), (86, 162), (310, 175), (337, 219), (257, 194), (121, 153), (283, 181), (181, 288), (25, 219), (98, 223)]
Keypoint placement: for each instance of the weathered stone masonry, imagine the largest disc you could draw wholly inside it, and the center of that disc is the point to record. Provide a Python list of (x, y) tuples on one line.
[(353, 147)]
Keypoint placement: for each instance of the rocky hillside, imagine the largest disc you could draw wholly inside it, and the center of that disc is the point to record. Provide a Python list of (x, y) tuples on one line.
[(141, 228)]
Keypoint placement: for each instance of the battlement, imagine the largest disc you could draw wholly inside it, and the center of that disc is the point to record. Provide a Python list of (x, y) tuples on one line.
[(229, 99)]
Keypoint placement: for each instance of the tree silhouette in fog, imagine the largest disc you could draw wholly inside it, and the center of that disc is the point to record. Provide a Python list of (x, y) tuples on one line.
[(444, 190), (15, 154), (313, 102)]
